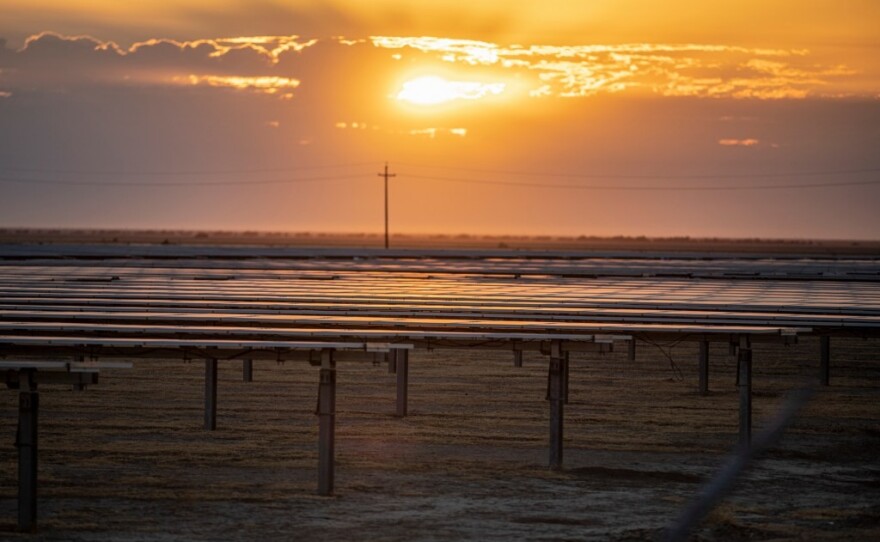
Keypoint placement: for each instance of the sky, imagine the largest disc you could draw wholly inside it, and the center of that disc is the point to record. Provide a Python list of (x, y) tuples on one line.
[(607, 117)]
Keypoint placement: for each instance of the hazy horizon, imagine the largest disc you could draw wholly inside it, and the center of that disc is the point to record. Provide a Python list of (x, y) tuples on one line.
[(220, 236), (735, 120)]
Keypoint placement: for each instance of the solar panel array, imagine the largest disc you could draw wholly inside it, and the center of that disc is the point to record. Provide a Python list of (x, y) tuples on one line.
[(249, 303), (425, 299)]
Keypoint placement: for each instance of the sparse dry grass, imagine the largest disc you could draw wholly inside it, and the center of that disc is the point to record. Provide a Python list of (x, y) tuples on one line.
[(128, 459)]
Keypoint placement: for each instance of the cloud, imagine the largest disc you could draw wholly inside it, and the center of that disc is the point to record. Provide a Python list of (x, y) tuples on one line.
[(728, 142), (55, 47), (355, 126), (707, 71), (48, 60), (265, 84), (277, 64), (245, 52), (434, 132), (431, 132)]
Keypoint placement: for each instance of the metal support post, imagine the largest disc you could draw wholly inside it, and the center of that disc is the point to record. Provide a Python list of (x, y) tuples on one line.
[(565, 376), (517, 358), (392, 362), (79, 387), (402, 381), (26, 441), (704, 367), (733, 350), (247, 370), (210, 394), (326, 422), (745, 391), (555, 373), (825, 360)]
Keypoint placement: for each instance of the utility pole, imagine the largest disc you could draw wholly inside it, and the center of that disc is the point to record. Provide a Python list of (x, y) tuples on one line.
[(386, 175)]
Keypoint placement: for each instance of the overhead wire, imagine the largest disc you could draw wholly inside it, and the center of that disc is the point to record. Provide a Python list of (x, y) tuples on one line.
[(158, 173), (698, 176), (465, 180), (286, 180), (646, 188)]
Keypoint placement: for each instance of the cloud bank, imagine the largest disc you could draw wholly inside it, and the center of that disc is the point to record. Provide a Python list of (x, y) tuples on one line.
[(278, 64)]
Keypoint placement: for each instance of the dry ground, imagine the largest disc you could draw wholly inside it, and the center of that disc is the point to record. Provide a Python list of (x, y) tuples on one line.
[(128, 459)]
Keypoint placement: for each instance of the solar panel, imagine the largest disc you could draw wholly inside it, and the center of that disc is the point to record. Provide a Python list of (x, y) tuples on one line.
[(193, 343)]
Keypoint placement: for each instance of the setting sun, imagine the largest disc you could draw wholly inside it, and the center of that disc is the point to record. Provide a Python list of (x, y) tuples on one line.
[(431, 90), (626, 117)]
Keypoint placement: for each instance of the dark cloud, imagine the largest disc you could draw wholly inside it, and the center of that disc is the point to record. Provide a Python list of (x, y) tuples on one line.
[(86, 61), (326, 81), (202, 56)]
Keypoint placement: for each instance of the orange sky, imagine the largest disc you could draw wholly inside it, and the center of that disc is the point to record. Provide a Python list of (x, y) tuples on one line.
[(777, 23), (728, 118)]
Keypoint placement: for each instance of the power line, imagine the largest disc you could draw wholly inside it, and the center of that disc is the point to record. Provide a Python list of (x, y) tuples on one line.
[(759, 175), (704, 188), (286, 180), (491, 182), (159, 173)]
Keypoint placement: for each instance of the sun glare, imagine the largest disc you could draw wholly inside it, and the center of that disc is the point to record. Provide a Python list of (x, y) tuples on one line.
[(432, 90)]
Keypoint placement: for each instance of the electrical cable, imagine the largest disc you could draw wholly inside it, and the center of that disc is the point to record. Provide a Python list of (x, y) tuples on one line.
[(180, 183), (644, 187), (765, 175), (476, 181), (122, 173)]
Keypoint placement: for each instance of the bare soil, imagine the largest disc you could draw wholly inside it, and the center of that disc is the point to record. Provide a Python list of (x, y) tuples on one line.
[(128, 459)]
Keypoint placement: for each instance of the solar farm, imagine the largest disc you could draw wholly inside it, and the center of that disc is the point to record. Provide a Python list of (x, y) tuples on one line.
[(321, 381)]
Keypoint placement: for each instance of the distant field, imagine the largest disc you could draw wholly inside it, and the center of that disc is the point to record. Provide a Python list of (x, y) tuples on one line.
[(308, 239)]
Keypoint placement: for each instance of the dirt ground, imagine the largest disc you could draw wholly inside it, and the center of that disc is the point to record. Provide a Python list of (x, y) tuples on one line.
[(128, 459)]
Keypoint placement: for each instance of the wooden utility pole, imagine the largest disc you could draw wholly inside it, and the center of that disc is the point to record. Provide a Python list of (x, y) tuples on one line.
[(386, 175)]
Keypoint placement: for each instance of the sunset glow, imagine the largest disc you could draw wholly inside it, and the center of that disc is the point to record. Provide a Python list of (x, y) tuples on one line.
[(623, 117), (642, 235)]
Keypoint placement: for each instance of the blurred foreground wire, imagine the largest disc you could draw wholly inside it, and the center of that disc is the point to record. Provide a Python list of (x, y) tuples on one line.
[(721, 484)]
